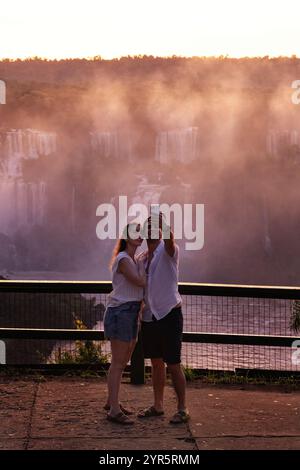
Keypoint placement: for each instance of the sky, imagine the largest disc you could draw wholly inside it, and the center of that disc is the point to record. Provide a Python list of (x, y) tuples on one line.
[(115, 28)]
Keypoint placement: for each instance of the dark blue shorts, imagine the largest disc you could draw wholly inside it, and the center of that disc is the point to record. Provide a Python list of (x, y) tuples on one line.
[(122, 322), (162, 338)]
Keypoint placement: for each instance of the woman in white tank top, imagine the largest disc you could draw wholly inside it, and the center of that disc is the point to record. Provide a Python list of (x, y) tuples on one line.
[(121, 315)]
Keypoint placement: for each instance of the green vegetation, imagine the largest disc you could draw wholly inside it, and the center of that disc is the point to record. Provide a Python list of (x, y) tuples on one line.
[(233, 378), (190, 374), (85, 352)]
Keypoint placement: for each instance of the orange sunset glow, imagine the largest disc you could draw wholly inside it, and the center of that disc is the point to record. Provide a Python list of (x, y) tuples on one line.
[(72, 28)]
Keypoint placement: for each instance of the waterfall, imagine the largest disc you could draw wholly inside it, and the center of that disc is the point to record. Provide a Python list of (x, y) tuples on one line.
[(271, 143), (28, 144), (22, 203), (73, 213), (295, 138), (267, 237), (36, 203), (279, 142), (113, 145), (180, 145)]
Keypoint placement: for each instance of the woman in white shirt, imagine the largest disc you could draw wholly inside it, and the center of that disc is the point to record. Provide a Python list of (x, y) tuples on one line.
[(121, 315)]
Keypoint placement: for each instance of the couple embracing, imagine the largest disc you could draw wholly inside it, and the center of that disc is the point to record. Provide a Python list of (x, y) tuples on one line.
[(145, 289)]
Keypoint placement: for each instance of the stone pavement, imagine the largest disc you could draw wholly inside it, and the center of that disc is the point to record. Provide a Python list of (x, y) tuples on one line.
[(66, 413)]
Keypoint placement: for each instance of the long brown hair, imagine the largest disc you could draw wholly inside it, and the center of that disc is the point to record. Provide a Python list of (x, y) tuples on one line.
[(121, 244)]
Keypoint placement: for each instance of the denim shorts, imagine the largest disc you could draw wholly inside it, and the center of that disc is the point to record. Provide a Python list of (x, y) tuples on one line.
[(121, 322)]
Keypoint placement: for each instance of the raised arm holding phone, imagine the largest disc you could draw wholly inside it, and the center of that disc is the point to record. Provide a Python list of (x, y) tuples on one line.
[(162, 323)]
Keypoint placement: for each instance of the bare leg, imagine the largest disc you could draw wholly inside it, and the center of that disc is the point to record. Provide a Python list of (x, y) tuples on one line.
[(179, 383), (120, 351), (158, 382), (130, 350)]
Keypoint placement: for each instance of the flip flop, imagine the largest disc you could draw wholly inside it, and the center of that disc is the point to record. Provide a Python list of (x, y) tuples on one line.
[(149, 412), (120, 418), (182, 416), (122, 408)]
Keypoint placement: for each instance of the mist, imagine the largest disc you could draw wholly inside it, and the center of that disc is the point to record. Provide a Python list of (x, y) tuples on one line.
[(213, 131)]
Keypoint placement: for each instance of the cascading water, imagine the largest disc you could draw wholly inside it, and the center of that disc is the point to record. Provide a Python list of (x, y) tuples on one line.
[(181, 145), (112, 145), (279, 142), (22, 204), (73, 211), (267, 235)]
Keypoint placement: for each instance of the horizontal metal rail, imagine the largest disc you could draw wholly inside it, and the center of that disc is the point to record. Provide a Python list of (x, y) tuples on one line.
[(104, 287), (137, 362), (188, 337)]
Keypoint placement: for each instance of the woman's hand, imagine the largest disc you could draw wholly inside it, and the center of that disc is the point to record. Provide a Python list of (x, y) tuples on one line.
[(141, 265)]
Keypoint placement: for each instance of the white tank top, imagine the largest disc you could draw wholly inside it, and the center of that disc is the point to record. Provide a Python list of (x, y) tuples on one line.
[(123, 290)]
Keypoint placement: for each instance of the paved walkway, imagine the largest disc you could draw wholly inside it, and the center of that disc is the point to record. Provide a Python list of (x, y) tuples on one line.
[(66, 413)]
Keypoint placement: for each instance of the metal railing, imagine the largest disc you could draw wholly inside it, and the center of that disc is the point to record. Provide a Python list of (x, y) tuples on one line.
[(249, 311)]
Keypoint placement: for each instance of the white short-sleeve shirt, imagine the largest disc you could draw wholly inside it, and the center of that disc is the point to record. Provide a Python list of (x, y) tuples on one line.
[(161, 292)]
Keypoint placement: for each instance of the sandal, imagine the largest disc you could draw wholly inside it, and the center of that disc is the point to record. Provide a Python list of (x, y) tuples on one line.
[(122, 408), (181, 416), (149, 412), (120, 418)]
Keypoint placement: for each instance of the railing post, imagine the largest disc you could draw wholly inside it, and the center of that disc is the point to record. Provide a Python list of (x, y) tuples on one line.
[(137, 371)]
